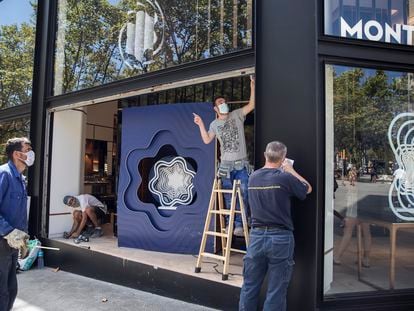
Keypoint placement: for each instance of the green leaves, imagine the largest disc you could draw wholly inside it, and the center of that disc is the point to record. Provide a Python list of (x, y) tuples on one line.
[(16, 64)]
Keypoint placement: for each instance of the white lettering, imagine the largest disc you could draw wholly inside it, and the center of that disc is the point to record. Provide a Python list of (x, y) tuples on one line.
[(409, 30), (367, 30), (345, 28), (389, 32), (374, 31)]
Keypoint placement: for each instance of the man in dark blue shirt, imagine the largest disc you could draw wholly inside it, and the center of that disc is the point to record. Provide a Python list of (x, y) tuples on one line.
[(13, 216), (271, 239)]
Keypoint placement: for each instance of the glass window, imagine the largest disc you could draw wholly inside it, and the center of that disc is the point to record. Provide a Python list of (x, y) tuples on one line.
[(103, 41), (369, 211), (17, 40), (10, 129), (390, 21)]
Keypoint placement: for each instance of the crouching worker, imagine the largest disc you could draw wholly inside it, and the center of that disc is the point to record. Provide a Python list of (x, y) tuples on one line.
[(86, 208)]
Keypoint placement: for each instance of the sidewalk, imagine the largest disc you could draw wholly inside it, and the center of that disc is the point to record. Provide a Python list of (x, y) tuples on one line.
[(45, 290)]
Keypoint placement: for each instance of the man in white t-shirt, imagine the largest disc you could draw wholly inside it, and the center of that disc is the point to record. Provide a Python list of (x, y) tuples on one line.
[(85, 207)]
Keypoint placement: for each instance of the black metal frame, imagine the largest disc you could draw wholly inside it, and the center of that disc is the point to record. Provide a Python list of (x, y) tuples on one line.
[(368, 54), (302, 51)]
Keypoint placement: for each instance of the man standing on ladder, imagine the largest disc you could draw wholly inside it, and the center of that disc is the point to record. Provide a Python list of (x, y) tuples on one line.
[(229, 129), (271, 242)]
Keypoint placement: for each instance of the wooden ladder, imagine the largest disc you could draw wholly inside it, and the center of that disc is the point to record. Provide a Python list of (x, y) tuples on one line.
[(226, 237)]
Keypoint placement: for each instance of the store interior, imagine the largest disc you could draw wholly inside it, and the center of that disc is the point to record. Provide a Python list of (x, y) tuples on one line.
[(98, 139)]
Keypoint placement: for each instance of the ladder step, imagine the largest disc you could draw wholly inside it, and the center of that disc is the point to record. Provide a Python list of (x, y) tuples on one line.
[(223, 190), (210, 255), (224, 235), (221, 212)]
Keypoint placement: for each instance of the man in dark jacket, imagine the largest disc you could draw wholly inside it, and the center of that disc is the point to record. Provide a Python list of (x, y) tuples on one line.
[(13, 216), (271, 238)]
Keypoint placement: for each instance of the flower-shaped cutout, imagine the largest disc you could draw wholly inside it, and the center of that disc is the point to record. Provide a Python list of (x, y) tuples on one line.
[(172, 182)]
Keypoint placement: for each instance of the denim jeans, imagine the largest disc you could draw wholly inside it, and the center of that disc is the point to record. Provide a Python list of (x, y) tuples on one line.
[(227, 183), (8, 280), (270, 251)]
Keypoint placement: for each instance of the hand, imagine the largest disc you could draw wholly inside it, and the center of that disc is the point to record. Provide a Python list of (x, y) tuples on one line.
[(252, 81), (197, 119), (287, 166), (17, 239)]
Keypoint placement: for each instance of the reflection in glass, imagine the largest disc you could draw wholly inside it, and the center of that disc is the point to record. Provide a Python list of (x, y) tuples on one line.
[(369, 178), (389, 21), (103, 41), (17, 41)]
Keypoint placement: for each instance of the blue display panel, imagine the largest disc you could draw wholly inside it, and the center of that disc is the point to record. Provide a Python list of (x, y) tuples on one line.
[(165, 179)]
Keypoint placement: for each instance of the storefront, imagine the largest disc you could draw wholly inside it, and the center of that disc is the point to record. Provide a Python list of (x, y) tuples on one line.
[(334, 82)]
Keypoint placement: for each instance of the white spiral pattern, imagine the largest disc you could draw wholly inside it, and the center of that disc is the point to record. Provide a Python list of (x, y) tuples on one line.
[(172, 182)]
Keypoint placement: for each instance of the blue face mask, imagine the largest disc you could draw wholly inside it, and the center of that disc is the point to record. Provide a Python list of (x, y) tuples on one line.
[(223, 108)]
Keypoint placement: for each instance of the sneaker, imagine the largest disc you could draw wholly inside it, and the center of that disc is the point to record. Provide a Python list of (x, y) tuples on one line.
[(238, 231), (97, 233)]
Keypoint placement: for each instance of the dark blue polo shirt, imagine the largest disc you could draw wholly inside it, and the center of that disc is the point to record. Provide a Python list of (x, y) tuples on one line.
[(13, 200), (270, 192)]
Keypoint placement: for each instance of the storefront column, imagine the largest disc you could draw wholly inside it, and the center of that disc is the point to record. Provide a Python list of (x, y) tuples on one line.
[(287, 110), (41, 78)]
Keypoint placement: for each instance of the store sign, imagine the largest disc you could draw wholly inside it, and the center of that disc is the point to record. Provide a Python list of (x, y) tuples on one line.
[(375, 31), (142, 37), (401, 192)]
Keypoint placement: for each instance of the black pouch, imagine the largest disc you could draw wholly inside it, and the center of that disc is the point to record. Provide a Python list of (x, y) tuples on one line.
[(223, 172)]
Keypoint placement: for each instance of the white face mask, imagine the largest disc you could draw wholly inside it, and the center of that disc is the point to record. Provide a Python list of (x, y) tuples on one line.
[(30, 158), (223, 108)]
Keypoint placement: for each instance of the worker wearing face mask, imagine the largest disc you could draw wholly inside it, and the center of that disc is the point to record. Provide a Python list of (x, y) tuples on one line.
[(13, 216), (229, 129)]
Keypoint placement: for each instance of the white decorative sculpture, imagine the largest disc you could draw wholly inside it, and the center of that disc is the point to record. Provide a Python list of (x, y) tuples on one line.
[(141, 36), (172, 183), (401, 139)]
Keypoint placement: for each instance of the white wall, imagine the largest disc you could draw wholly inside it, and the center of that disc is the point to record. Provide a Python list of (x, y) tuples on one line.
[(67, 167)]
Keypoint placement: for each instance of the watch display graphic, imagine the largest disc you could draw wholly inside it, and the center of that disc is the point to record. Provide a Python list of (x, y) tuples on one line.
[(172, 183), (401, 192), (142, 37), (165, 179)]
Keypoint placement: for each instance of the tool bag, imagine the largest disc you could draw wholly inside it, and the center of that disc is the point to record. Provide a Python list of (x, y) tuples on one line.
[(26, 263)]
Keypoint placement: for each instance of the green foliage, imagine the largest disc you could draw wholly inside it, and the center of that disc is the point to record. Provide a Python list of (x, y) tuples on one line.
[(364, 105), (87, 52), (16, 64)]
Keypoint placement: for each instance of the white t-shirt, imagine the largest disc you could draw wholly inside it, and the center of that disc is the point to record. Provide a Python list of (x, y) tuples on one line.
[(87, 200)]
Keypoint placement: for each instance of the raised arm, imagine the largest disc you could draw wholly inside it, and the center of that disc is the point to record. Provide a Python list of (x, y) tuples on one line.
[(250, 106), (207, 137), (288, 168)]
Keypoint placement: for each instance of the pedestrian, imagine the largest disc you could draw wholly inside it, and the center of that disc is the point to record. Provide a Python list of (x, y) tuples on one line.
[(13, 216), (271, 245), (229, 129)]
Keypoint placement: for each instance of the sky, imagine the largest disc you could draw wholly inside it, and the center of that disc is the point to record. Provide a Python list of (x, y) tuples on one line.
[(15, 11), (19, 11)]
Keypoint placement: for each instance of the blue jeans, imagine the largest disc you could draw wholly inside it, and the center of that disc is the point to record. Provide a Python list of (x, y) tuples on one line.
[(227, 183), (270, 251)]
